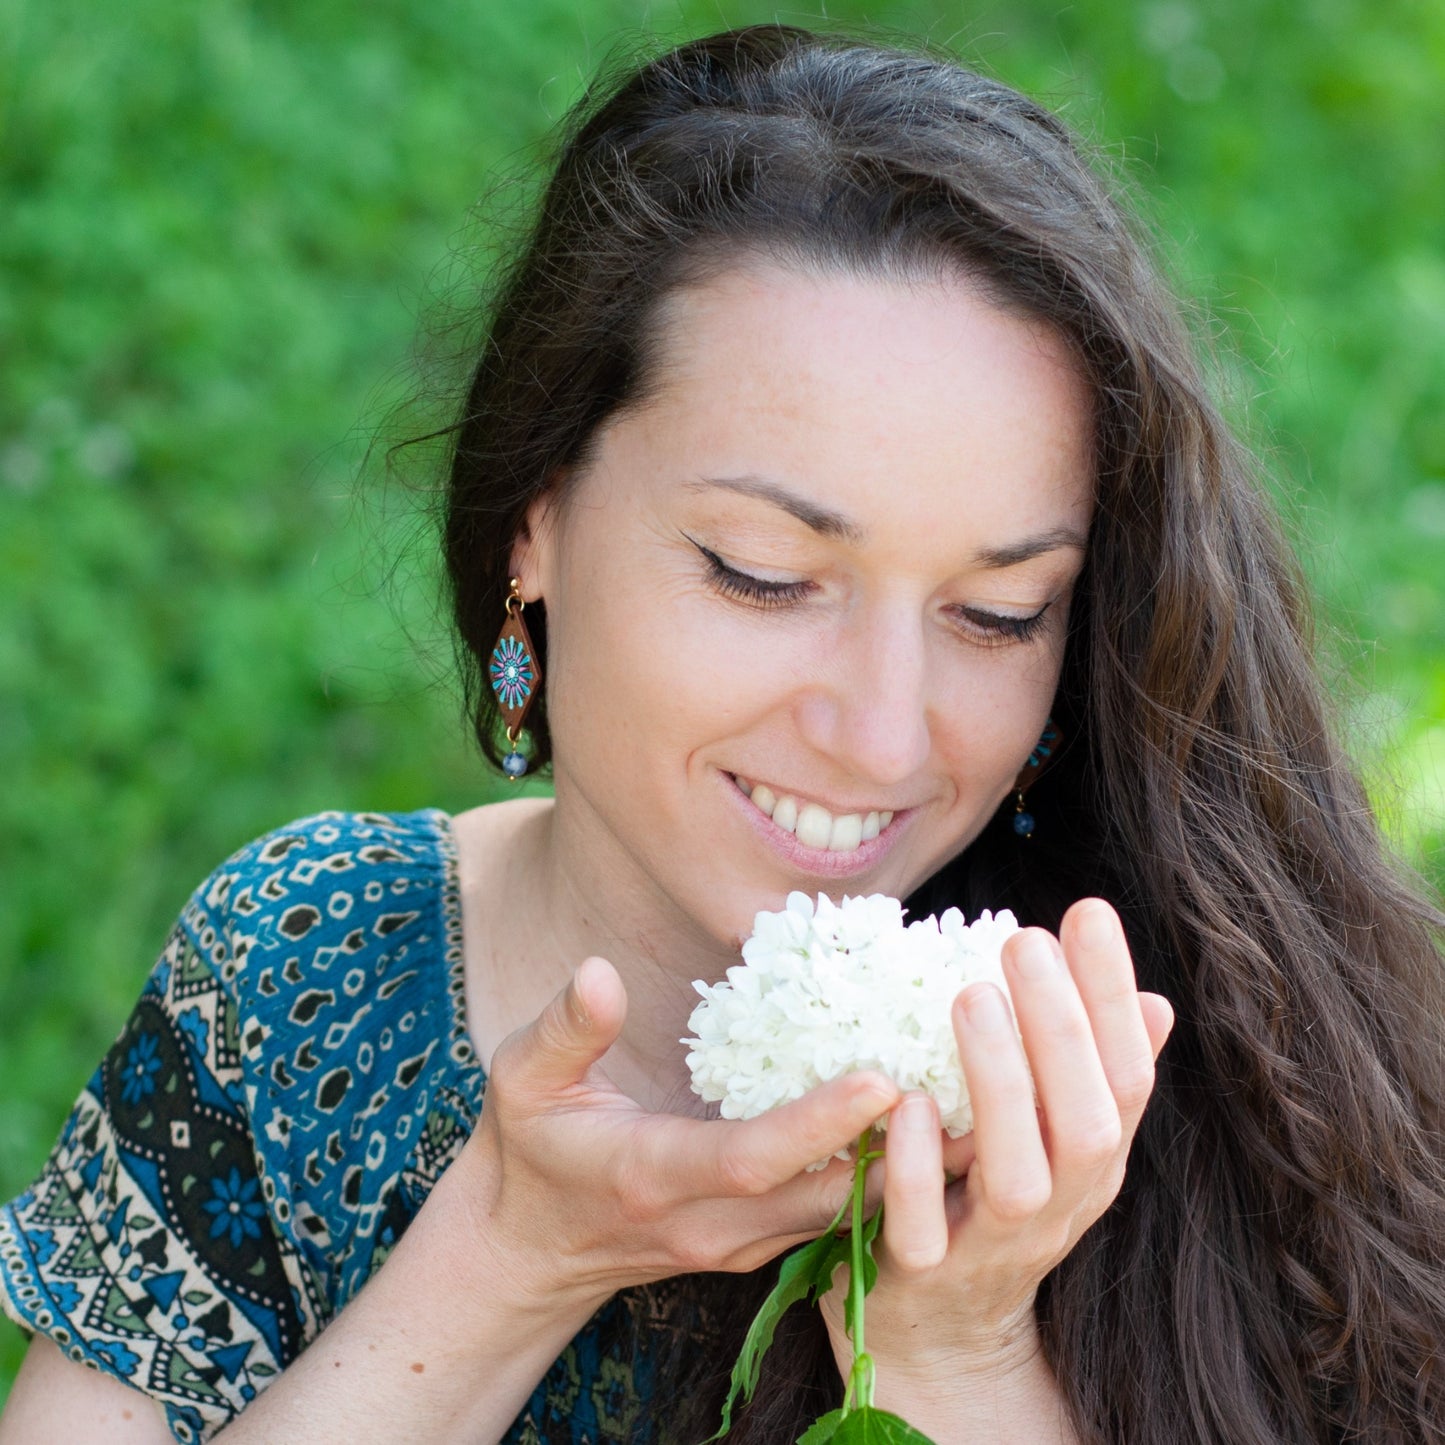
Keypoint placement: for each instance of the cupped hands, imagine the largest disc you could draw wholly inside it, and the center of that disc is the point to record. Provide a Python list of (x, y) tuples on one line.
[(578, 1191)]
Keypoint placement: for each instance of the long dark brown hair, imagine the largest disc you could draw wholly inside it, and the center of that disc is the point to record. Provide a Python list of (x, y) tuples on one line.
[(1272, 1270)]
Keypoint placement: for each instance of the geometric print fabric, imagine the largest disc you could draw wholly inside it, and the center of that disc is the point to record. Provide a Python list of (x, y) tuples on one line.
[(292, 1082)]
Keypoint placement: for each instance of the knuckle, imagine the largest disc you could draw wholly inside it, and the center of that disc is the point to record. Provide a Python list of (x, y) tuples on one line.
[(692, 1252), (1053, 1245), (1094, 1140), (502, 1090), (1134, 1085), (504, 1062), (551, 1034), (741, 1174), (917, 1259), (640, 1202), (914, 1193), (1019, 1200), (1070, 1028)]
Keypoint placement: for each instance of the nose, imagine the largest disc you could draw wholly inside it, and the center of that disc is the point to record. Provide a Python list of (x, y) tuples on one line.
[(868, 707)]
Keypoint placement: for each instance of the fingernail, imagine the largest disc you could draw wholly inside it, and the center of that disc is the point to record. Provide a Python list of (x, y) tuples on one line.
[(1096, 926), (986, 1010), (915, 1116), (875, 1089), (1036, 954), (576, 1007)]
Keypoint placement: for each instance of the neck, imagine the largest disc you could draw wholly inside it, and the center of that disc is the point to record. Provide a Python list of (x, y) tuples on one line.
[(569, 904)]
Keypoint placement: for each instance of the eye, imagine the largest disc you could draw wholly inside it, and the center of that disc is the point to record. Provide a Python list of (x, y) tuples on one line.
[(993, 628), (747, 588)]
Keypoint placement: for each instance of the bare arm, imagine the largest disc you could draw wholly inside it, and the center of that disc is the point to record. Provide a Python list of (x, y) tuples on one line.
[(566, 1192), (441, 1345), (55, 1399)]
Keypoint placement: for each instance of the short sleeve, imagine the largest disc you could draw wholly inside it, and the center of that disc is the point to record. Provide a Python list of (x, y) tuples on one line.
[(147, 1248)]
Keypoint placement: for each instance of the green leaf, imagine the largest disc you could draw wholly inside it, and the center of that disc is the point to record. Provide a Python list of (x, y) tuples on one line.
[(799, 1275), (870, 1265), (871, 1426), (196, 1296), (841, 1255), (822, 1430), (827, 1265)]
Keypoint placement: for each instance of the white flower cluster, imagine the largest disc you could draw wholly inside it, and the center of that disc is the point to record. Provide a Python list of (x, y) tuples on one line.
[(826, 990)]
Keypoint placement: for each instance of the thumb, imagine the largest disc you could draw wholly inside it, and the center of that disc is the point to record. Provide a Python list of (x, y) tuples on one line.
[(559, 1046)]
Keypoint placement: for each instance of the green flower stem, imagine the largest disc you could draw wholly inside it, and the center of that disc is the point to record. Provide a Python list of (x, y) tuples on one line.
[(860, 1377)]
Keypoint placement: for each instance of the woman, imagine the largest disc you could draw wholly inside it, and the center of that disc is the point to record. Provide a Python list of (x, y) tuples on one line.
[(846, 463)]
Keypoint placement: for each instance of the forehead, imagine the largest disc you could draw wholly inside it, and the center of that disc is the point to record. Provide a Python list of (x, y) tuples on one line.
[(919, 395)]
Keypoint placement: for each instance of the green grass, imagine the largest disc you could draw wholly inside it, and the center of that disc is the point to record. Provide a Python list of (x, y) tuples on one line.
[(219, 224)]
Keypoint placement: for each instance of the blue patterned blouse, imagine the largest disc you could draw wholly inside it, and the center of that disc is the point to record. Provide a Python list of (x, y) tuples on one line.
[(293, 1081)]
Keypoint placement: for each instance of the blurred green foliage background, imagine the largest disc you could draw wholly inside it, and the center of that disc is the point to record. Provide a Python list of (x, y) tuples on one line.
[(220, 225)]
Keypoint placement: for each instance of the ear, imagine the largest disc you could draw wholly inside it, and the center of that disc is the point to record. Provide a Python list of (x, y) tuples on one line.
[(533, 558)]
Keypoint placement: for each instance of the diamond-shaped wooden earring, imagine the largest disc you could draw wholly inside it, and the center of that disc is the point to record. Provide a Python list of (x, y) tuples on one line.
[(515, 677)]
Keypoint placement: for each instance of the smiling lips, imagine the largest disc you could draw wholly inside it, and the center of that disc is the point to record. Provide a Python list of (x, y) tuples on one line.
[(813, 825)]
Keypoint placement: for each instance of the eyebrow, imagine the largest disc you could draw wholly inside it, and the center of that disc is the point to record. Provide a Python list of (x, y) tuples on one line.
[(828, 523), (822, 520), (1030, 547)]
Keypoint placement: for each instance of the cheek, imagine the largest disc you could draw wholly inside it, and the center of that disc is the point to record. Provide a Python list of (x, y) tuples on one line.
[(989, 719), (640, 679)]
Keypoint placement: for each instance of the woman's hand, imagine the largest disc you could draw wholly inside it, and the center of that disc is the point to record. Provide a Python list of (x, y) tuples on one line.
[(960, 1263), (578, 1191)]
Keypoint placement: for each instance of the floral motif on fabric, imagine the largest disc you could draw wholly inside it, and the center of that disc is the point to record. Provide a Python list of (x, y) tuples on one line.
[(294, 1079)]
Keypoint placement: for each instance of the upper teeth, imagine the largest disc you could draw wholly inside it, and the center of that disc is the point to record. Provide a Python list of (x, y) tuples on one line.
[(812, 824)]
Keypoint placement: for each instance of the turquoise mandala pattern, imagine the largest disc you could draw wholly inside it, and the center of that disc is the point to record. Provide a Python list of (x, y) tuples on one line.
[(291, 1084), (512, 673)]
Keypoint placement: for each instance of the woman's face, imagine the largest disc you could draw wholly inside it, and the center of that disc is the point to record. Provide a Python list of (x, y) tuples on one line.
[(822, 576)]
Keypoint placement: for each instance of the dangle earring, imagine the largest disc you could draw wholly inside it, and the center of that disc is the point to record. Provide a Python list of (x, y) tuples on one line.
[(1046, 747), (515, 677)]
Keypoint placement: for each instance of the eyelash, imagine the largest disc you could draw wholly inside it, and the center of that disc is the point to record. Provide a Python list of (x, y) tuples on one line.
[(752, 589), (761, 593)]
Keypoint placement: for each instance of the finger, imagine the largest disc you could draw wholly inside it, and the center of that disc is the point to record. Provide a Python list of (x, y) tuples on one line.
[(1158, 1019), (1082, 1117), (915, 1228), (1010, 1174), (1098, 955), (581, 1023), (795, 1212), (754, 1156), (958, 1156)]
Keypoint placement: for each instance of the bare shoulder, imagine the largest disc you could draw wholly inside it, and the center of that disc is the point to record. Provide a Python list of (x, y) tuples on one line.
[(54, 1398), (495, 844), (486, 834)]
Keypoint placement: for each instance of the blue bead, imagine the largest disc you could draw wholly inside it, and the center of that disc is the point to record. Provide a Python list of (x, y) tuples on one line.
[(1024, 824), (514, 765)]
